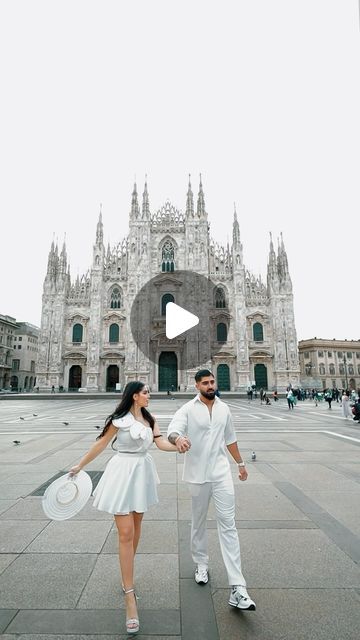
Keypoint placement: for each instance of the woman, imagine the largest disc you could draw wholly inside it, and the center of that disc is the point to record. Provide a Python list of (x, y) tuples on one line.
[(345, 402), (127, 487)]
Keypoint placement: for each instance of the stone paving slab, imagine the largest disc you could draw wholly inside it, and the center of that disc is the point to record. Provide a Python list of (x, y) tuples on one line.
[(6, 559), (6, 615), (28, 508), (156, 580), (51, 581), (99, 621), (15, 537), (6, 504), (296, 614), (51, 636), (60, 537), (286, 558), (340, 505)]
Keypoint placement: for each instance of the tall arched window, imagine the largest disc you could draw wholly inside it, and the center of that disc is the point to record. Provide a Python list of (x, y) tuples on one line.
[(332, 370), (221, 332), (114, 333), (168, 256), (258, 332), (77, 335), (167, 297), (115, 298), (322, 369), (220, 300)]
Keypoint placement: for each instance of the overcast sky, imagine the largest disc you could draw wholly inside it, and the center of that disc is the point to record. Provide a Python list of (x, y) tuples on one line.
[(260, 96)]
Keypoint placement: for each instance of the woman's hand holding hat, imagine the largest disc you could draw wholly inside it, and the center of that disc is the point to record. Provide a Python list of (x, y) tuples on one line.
[(74, 470)]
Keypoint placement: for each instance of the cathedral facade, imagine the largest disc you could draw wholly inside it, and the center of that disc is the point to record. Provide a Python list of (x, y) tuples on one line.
[(85, 338)]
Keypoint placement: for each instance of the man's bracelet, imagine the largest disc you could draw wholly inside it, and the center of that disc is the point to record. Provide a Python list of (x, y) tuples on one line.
[(241, 464)]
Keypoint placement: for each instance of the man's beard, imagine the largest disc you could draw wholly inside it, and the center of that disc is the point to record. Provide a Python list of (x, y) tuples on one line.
[(210, 395)]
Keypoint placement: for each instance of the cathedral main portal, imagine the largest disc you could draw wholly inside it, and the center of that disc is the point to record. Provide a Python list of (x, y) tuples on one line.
[(168, 377)]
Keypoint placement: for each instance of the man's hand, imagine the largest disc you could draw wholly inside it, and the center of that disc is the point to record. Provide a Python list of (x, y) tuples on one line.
[(243, 474), (182, 444)]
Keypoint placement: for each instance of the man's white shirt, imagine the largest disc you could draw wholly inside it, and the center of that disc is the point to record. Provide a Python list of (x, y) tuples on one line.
[(207, 459)]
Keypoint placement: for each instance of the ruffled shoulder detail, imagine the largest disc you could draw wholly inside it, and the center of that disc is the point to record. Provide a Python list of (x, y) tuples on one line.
[(125, 422)]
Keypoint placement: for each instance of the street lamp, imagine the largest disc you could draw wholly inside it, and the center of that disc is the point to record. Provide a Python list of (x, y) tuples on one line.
[(346, 377)]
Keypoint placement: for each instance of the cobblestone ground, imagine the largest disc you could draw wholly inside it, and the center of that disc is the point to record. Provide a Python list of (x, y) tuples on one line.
[(298, 519)]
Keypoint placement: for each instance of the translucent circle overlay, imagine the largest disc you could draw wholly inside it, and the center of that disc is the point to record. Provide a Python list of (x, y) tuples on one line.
[(194, 292)]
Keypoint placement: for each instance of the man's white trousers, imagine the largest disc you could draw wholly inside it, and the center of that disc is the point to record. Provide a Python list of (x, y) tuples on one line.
[(223, 495)]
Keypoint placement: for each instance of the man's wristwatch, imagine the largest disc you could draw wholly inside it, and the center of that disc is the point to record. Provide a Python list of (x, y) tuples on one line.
[(241, 464)]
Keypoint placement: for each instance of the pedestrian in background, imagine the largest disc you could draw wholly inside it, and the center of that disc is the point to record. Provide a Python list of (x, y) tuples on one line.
[(345, 403), (290, 399)]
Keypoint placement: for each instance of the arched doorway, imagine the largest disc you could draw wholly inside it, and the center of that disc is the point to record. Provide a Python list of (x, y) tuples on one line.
[(14, 383), (75, 374), (261, 379), (112, 377), (223, 377), (168, 371), (26, 383)]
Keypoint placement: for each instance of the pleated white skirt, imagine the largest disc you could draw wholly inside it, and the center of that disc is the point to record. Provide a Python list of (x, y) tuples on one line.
[(129, 483)]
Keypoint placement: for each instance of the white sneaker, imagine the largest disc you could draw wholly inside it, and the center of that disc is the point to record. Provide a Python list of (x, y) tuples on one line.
[(201, 575), (240, 598)]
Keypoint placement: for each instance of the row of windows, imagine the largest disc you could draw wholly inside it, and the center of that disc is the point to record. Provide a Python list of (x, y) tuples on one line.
[(114, 333), (332, 371), (116, 296), (78, 332), (330, 354)]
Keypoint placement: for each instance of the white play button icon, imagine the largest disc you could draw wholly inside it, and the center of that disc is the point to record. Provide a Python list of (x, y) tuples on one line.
[(178, 320)]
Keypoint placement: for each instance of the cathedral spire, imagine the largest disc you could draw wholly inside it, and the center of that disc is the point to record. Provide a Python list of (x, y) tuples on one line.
[(134, 204), (283, 267), (145, 202), (272, 270), (51, 263), (236, 229), (100, 229), (63, 258), (190, 201), (201, 201)]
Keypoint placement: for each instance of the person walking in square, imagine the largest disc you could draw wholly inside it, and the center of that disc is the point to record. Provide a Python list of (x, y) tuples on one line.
[(345, 405), (206, 422), (128, 486)]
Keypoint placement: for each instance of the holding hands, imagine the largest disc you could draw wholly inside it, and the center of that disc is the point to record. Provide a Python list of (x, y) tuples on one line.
[(182, 444)]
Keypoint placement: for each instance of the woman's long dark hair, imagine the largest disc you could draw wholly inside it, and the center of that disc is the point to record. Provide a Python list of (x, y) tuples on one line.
[(125, 405)]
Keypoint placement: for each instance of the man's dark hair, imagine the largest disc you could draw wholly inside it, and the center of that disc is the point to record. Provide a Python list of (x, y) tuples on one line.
[(203, 373)]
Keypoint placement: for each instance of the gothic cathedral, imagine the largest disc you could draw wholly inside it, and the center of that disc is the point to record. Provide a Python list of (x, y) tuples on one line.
[(85, 338)]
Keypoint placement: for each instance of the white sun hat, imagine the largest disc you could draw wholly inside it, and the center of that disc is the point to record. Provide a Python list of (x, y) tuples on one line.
[(66, 496)]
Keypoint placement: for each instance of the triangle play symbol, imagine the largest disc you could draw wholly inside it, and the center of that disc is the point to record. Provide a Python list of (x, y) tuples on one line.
[(178, 320)]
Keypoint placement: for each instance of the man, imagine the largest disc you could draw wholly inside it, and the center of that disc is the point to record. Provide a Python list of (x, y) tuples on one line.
[(206, 423)]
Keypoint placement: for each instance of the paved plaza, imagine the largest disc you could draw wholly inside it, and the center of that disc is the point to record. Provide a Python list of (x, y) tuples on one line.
[(298, 519)]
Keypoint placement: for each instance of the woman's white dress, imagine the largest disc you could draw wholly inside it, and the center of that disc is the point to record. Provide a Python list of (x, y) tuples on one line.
[(129, 482)]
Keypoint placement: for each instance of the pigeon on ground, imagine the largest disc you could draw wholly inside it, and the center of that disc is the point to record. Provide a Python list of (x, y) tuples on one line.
[(66, 423), (253, 456), (35, 415), (97, 427), (16, 441), (21, 418)]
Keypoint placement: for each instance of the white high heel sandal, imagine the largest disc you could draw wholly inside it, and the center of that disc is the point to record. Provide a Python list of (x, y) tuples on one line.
[(134, 622)]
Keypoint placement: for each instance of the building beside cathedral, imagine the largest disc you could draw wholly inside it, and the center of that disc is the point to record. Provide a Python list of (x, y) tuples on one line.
[(85, 338)]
